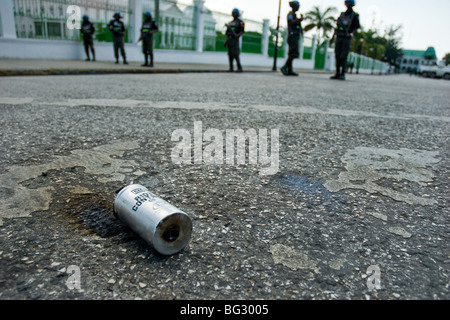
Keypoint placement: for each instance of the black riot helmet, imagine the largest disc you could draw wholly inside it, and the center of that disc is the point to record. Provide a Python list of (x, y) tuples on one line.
[(294, 5)]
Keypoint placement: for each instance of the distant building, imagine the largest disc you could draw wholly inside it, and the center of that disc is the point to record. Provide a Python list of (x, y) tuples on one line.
[(209, 28), (46, 19), (177, 28), (413, 59)]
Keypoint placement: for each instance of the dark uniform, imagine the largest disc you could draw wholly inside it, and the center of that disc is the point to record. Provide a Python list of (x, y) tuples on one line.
[(294, 32), (117, 28), (347, 24), (148, 26), (234, 29), (87, 31)]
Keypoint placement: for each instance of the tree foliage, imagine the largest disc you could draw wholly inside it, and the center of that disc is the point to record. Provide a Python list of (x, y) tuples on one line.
[(369, 43), (393, 49), (447, 59), (323, 22), (384, 47)]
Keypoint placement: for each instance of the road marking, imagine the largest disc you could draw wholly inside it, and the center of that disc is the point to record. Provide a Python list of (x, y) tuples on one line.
[(129, 103), (15, 101)]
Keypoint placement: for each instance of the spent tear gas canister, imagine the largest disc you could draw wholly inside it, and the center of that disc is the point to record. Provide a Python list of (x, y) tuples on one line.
[(165, 227)]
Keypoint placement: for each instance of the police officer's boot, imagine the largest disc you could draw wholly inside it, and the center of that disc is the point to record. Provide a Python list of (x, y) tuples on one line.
[(284, 70), (344, 69), (231, 64), (238, 62), (290, 68), (292, 73), (287, 68), (151, 60), (146, 61), (338, 72)]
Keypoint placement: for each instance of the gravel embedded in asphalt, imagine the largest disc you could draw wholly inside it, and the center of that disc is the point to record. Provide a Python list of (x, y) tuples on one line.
[(362, 181)]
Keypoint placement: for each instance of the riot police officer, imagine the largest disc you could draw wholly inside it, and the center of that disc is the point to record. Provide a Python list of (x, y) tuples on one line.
[(149, 28), (117, 27), (87, 31), (235, 29), (294, 32), (347, 26)]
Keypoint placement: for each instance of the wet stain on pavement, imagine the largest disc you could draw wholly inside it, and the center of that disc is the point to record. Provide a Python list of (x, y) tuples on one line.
[(96, 215), (301, 184)]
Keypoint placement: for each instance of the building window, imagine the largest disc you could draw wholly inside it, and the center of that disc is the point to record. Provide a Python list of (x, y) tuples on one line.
[(54, 29)]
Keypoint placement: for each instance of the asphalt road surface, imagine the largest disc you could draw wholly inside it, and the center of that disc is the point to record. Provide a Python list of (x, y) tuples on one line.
[(351, 203)]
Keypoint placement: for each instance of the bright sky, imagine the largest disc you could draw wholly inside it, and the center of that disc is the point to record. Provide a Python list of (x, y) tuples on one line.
[(425, 23)]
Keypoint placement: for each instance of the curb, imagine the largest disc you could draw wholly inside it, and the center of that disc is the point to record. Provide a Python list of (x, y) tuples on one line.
[(60, 72)]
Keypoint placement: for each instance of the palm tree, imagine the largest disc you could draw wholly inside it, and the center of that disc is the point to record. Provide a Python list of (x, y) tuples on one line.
[(324, 22)]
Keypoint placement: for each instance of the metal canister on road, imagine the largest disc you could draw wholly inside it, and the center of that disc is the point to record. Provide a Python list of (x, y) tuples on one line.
[(165, 227)]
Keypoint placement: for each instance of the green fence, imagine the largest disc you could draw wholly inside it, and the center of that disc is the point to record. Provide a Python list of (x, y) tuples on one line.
[(175, 34), (282, 45), (253, 37), (252, 42), (359, 62), (321, 55), (307, 48)]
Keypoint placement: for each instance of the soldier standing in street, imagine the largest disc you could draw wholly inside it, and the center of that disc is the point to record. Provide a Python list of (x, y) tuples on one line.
[(117, 28), (149, 28), (87, 31), (235, 29), (294, 32), (347, 25)]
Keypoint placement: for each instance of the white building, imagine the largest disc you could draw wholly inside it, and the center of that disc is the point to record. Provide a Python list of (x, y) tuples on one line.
[(177, 27), (413, 59), (209, 30), (46, 19)]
